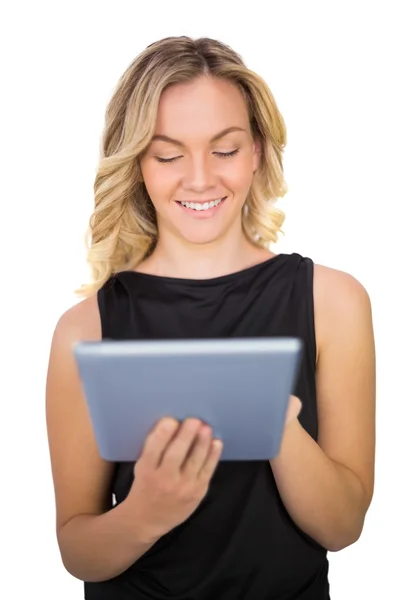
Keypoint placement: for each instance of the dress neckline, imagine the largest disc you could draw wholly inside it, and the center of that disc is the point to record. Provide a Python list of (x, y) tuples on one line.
[(204, 282)]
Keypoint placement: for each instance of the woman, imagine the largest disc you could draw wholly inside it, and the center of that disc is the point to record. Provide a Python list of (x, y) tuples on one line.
[(184, 215)]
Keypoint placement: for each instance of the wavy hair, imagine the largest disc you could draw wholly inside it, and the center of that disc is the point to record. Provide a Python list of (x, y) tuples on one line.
[(123, 228)]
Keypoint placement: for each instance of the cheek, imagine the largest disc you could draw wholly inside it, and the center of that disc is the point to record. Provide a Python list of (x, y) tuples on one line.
[(159, 181), (240, 175)]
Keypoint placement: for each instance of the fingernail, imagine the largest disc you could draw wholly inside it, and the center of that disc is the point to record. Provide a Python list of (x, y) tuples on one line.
[(169, 424)]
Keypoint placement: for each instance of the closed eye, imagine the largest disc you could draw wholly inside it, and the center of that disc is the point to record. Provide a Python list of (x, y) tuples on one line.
[(226, 154), (167, 160), (219, 154)]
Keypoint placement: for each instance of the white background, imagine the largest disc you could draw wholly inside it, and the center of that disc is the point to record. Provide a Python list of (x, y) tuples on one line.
[(333, 71)]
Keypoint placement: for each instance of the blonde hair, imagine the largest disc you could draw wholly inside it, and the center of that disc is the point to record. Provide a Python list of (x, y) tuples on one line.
[(123, 228)]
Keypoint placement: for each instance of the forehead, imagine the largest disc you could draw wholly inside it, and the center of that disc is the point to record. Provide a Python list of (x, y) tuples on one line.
[(201, 108)]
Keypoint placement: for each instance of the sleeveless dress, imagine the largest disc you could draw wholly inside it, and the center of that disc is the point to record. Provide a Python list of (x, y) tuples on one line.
[(240, 544)]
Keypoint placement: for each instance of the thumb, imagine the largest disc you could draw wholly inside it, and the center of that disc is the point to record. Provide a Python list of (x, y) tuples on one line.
[(294, 409)]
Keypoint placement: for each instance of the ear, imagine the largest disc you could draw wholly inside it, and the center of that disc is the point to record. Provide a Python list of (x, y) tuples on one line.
[(256, 154)]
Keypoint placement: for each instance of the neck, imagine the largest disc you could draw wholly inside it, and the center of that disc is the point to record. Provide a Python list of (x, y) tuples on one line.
[(178, 258)]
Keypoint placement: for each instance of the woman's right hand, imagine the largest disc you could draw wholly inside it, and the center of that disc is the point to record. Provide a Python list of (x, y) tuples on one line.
[(173, 474)]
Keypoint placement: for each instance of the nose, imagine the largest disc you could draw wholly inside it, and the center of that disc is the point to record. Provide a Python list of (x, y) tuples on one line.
[(199, 175)]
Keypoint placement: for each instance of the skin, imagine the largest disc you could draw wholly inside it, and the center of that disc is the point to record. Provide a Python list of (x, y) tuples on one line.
[(326, 487)]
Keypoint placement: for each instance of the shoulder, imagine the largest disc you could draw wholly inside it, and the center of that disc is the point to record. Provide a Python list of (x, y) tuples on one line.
[(338, 290), (341, 303), (80, 322)]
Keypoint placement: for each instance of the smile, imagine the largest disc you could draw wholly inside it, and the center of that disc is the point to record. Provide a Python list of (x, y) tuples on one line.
[(203, 205)]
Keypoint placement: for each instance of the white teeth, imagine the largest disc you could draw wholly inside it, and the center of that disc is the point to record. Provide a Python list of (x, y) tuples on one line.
[(204, 206)]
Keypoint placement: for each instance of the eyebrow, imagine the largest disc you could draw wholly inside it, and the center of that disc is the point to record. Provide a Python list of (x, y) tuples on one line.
[(215, 138)]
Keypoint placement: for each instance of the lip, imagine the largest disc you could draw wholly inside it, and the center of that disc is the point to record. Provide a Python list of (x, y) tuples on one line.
[(202, 214)]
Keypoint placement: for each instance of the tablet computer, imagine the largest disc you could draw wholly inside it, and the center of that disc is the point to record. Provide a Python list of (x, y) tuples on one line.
[(240, 387)]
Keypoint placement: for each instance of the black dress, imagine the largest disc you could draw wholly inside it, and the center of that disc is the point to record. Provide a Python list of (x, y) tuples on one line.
[(240, 544)]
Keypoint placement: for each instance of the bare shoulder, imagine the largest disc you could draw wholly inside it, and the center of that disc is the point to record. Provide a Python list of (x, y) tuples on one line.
[(338, 299), (338, 286), (80, 322)]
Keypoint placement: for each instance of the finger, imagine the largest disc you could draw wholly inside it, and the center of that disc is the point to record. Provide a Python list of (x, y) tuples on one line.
[(199, 453), (212, 460), (293, 409), (176, 452), (158, 440)]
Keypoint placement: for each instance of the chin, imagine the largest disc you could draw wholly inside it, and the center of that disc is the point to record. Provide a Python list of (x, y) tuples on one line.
[(201, 238), (203, 233)]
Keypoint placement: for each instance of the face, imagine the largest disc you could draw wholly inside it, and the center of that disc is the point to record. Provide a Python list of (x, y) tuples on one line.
[(200, 164)]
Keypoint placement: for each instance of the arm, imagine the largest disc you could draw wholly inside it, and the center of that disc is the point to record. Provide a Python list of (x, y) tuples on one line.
[(96, 543), (328, 487)]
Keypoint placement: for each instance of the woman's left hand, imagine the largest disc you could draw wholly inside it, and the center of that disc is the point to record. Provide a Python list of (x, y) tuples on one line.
[(293, 410)]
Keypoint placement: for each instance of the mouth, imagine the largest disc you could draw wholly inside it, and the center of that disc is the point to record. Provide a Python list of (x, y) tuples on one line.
[(202, 206)]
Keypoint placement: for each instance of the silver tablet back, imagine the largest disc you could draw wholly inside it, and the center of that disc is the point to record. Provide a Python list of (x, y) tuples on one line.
[(240, 387)]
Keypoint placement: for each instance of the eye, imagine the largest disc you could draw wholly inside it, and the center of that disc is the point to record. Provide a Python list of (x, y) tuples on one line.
[(226, 154), (174, 158), (166, 160)]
